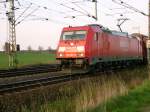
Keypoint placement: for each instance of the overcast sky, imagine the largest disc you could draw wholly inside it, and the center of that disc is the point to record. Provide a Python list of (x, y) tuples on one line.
[(34, 30)]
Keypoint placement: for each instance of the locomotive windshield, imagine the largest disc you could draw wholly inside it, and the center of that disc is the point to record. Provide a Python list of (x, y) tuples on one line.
[(73, 35)]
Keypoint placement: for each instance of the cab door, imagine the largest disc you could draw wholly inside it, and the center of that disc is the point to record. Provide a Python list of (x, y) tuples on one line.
[(96, 44), (105, 44), (100, 44)]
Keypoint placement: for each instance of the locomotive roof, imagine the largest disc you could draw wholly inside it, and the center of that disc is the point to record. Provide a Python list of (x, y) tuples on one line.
[(107, 30), (119, 33), (113, 32)]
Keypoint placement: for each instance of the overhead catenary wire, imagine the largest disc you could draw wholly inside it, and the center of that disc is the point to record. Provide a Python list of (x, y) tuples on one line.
[(74, 16), (78, 1), (49, 9), (75, 3), (63, 10), (18, 2), (38, 18), (44, 19), (74, 9), (39, 6), (3, 1), (122, 3), (46, 8), (27, 16), (119, 13), (24, 12), (108, 8), (2, 18), (3, 7), (80, 7), (81, 10)]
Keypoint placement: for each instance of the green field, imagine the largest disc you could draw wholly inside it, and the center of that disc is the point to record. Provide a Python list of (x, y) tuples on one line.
[(137, 100), (28, 58)]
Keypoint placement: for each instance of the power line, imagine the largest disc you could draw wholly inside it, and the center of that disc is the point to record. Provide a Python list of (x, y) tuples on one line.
[(78, 1), (39, 6), (122, 3), (2, 1), (83, 12), (27, 15), (18, 2), (23, 12), (75, 10), (148, 47), (34, 10), (80, 7), (49, 19), (45, 7)]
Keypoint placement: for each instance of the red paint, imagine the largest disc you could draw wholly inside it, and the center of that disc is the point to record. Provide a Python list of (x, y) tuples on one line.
[(107, 45)]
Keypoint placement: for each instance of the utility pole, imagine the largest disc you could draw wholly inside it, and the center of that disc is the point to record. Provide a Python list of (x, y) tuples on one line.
[(148, 42), (96, 16), (149, 22), (12, 34), (96, 10)]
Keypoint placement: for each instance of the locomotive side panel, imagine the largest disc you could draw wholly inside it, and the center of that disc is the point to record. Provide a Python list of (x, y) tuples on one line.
[(93, 44), (113, 46), (106, 44), (88, 47)]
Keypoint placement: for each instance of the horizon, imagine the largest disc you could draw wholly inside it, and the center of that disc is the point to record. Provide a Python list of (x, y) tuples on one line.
[(43, 33)]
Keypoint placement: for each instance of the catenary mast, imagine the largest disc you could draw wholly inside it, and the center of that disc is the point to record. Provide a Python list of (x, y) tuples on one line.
[(12, 34)]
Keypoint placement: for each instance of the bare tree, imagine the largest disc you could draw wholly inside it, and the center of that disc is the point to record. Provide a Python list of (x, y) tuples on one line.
[(4, 48), (49, 48), (29, 48), (40, 48)]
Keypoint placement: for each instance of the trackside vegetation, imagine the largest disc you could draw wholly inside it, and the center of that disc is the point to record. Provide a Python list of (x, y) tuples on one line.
[(121, 91), (136, 101), (28, 58)]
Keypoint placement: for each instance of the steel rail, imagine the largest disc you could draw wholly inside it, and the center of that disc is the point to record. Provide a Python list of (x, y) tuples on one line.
[(28, 71), (31, 83), (28, 84)]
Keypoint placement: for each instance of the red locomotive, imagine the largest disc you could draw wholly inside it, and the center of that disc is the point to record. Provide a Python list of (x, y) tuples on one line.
[(94, 45)]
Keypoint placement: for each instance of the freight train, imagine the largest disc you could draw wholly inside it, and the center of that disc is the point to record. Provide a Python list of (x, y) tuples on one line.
[(96, 46)]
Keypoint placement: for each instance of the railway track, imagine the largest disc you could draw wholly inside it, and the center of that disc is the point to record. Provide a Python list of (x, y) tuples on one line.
[(28, 70), (29, 84), (53, 78)]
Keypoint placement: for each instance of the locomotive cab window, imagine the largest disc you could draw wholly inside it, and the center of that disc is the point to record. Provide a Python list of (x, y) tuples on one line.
[(96, 36), (73, 35)]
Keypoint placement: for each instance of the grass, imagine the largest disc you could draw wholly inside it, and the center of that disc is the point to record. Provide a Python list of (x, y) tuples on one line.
[(135, 101), (103, 92), (98, 90), (80, 95), (28, 58)]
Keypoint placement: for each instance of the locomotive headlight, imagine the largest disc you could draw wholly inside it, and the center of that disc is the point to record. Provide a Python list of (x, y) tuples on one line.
[(80, 48), (60, 54), (82, 54), (61, 49)]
